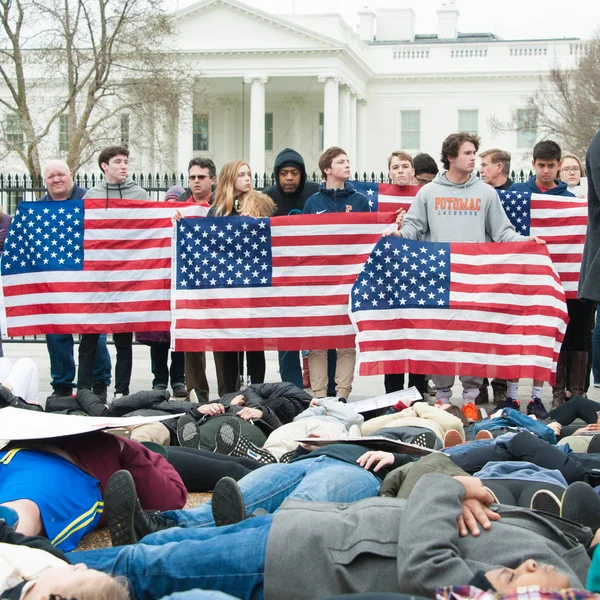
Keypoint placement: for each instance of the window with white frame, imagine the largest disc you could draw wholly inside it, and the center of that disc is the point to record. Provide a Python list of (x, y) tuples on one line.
[(526, 128), (468, 121), (63, 133), (269, 131), (124, 123), (13, 130), (410, 130), (200, 133)]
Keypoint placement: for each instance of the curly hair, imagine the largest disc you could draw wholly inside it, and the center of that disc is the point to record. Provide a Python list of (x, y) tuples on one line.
[(451, 145)]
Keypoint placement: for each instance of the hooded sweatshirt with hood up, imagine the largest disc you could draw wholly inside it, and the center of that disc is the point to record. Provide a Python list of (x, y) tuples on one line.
[(286, 203), (560, 188), (127, 190), (468, 212)]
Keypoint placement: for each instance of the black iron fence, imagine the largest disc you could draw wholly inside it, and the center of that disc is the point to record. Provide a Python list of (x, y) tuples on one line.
[(19, 188)]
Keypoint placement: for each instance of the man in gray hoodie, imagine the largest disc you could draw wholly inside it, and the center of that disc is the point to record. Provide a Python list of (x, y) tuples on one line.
[(114, 164), (458, 207)]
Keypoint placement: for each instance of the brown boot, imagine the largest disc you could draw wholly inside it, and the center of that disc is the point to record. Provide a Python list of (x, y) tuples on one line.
[(305, 373), (578, 372), (558, 390)]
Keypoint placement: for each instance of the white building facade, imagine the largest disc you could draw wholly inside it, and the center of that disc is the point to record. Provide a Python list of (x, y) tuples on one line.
[(266, 82)]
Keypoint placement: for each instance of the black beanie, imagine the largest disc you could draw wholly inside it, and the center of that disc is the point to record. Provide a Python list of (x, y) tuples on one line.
[(482, 582)]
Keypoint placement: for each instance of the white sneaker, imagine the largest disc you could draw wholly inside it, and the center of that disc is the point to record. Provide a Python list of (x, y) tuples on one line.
[(117, 396), (194, 397), (596, 384)]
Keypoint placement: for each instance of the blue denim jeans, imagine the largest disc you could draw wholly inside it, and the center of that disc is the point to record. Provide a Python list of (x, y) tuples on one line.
[(319, 479), (229, 559), (62, 362), (513, 418), (596, 348), (290, 368)]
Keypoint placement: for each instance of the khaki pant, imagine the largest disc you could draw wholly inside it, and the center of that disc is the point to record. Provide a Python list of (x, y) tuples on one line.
[(443, 385), (344, 372), (151, 432)]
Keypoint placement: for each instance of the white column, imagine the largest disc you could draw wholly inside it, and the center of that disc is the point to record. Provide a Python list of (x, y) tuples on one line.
[(344, 117), (352, 148), (331, 110), (257, 124), (185, 145), (361, 135)]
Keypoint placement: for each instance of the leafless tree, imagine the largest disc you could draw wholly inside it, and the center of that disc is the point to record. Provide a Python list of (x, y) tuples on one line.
[(81, 65), (566, 107)]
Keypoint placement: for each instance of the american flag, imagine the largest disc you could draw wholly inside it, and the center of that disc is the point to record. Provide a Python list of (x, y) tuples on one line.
[(386, 197), (489, 310), (269, 284), (78, 266), (559, 220)]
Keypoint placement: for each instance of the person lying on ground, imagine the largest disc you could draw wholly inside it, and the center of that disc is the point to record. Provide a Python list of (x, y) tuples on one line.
[(378, 544)]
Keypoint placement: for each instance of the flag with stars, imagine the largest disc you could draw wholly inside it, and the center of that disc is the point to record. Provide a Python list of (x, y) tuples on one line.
[(559, 220), (487, 310), (386, 197), (80, 266), (269, 284)]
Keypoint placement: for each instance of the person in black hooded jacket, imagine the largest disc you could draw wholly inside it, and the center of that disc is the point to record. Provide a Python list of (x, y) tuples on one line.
[(291, 188)]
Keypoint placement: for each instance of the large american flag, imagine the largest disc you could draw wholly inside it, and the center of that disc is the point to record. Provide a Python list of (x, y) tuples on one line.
[(269, 284), (386, 197), (489, 310), (90, 266), (559, 220)]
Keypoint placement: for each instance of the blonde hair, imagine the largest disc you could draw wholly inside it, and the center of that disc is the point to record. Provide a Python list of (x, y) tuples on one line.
[(576, 159), (252, 202), (97, 586)]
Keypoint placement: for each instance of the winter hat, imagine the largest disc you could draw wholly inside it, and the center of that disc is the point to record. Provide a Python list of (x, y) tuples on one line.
[(174, 193)]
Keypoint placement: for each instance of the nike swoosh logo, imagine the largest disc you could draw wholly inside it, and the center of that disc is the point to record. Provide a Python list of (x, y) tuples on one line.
[(321, 211)]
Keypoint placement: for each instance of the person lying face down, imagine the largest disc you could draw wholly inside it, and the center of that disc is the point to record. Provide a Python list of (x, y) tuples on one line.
[(315, 549)]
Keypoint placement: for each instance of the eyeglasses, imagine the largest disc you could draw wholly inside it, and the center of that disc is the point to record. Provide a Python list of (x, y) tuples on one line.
[(200, 177), (570, 170)]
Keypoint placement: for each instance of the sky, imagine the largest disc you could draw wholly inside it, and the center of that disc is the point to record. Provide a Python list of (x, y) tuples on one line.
[(509, 19)]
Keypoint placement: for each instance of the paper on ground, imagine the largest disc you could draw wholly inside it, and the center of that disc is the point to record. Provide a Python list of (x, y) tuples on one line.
[(20, 424), (407, 396)]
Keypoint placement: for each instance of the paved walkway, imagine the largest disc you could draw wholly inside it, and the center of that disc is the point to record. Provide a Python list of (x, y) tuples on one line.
[(364, 387)]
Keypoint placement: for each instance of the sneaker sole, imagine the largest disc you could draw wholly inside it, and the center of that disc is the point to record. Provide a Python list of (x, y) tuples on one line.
[(227, 436), (594, 445), (227, 503), (546, 501), (188, 434), (427, 439), (581, 504), (230, 438), (120, 499), (484, 434), (452, 438)]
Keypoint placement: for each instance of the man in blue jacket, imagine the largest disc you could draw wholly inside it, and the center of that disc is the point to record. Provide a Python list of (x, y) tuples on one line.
[(546, 163), (60, 185), (335, 195)]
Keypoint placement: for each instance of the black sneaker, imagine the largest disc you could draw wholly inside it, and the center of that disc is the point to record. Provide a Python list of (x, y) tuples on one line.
[(581, 504), (188, 432), (62, 390), (594, 446), (546, 501), (535, 407), (288, 456), (126, 520), (229, 440), (509, 403), (101, 390), (227, 502), (159, 387), (180, 391)]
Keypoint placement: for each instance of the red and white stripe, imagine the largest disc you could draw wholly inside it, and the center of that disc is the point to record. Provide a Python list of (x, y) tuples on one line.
[(316, 259), (392, 197), (562, 222), (125, 282), (507, 319)]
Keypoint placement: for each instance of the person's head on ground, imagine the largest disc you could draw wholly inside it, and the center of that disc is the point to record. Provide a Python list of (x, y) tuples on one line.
[(290, 171), (528, 573), (77, 581), (58, 179), (546, 163), (571, 169), (425, 168), (335, 166), (458, 155), (495, 166), (401, 168), (114, 163), (202, 174)]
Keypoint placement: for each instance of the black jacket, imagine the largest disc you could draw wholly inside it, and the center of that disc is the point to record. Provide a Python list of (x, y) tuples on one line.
[(286, 203)]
